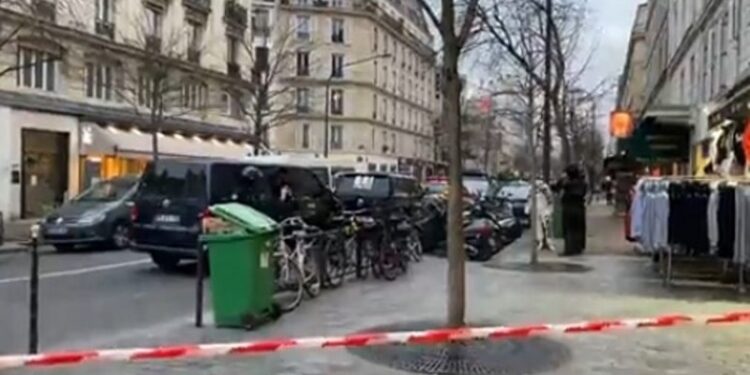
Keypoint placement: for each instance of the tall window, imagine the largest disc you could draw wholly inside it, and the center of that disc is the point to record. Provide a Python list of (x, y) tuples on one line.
[(375, 70), (374, 106), (337, 30), (337, 65), (305, 135), (153, 22), (714, 59), (195, 33), (260, 22), (99, 80), (303, 63), (724, 45), (303, 100), (385, 109), (337, 101), (104, 10), (149, 91), (691, 80), (375, 39), (232, 49), (393, 143), (303, 27), (337, 137), (37, 69), (194, 94)]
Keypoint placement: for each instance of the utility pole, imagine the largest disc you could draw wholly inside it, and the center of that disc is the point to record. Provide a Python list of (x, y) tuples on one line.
[(547, 117)]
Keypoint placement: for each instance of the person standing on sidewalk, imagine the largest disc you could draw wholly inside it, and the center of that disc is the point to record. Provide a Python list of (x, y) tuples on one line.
[(573, 188)]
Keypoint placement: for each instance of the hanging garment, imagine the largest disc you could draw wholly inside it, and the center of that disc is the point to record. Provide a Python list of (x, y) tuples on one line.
[(742, 220), (726, 219), (712, 219), (636, 211)]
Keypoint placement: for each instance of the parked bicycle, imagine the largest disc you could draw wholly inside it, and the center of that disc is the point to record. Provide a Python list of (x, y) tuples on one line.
[(297, 270)]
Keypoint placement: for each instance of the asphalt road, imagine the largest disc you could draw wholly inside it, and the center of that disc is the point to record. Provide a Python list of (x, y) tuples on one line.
[(87, 296)]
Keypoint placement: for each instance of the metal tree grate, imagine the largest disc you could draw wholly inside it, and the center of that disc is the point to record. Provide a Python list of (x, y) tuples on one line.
[(507, 357)]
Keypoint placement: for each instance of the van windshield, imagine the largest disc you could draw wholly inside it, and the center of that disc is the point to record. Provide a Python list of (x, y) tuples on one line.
[(174, 179), (363, 186)]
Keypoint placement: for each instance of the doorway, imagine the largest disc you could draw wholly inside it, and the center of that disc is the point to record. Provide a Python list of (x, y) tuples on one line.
[(44, 165)]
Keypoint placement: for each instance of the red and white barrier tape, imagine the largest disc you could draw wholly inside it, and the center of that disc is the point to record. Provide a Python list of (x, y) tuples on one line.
[(428, 337)]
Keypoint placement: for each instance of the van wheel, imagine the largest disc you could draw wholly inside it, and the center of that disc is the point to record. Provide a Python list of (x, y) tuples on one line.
[(165, 262)]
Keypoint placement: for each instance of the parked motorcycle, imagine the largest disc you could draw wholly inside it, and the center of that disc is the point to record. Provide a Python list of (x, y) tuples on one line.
[(486, 232)]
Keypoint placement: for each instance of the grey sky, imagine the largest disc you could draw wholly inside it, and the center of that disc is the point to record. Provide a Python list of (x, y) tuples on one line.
[(609, 33)]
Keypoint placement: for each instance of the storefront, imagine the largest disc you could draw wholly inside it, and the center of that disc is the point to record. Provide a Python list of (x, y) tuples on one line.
[(661, 140), (726, 127), (108, 151)]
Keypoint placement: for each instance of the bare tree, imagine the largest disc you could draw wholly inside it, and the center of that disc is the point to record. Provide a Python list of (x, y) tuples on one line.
[(159, 85), (271, 101), (454, 34), (519, 26)]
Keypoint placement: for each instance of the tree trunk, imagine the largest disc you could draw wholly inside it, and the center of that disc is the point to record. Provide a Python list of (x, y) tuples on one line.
[(534, 259), (456, 251), (547, 126), (258, 129), (562, 131)]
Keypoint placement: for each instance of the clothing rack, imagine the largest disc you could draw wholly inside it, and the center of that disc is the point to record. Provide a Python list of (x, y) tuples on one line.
[(667, 274)]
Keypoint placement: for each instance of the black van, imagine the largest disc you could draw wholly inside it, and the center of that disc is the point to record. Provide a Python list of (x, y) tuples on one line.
[(377, 190), (174, 194)]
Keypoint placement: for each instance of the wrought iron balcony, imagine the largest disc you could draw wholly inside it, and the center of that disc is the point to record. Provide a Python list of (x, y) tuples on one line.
[(153, 43), (203, 6), (233, 69), (235, 14), (105, 28), (45, 9)]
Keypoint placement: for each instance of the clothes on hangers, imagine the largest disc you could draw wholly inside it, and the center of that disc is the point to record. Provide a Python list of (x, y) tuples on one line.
[(742, 221), (726, 218), (713, 220)]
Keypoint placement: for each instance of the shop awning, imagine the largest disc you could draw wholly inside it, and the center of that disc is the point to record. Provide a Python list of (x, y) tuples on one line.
[(110, 140), (663, 135)]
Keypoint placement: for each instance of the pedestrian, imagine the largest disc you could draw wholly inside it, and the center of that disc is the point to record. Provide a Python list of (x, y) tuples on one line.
[(573, 188), (542, 217)]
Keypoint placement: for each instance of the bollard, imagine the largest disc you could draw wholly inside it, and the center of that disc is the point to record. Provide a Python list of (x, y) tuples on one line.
[(34, 292), (200, 274)]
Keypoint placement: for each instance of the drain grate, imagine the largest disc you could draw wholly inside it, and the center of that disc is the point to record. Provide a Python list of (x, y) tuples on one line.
[(506, 357), (544, 267)]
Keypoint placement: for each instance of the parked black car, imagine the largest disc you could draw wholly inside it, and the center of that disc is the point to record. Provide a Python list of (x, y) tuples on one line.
[(97, 216), (174, 194), (377, 191)]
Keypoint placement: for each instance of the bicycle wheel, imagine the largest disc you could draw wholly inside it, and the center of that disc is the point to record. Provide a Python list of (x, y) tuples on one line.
[(388, 260), (336, 263), (311, 273), (289, 286), (414, 246), (364, 255)]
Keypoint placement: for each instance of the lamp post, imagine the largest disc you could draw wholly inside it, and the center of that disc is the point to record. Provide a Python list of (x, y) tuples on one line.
[(326, 129)]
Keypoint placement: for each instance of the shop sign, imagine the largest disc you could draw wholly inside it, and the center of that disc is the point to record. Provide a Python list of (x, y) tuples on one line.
[(620, 124), (736, 109), (87, 135)]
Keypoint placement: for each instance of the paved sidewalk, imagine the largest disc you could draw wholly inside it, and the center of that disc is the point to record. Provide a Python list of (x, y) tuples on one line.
[(605, 232)]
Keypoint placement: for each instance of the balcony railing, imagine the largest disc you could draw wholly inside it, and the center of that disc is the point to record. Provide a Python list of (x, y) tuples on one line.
[(233, 69), (105, 28), (203, 6), (194, 55), (153, 43), (45, 9), (235, 14)]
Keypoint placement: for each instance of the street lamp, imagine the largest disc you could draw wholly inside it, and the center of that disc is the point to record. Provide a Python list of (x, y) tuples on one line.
[(328, 96)]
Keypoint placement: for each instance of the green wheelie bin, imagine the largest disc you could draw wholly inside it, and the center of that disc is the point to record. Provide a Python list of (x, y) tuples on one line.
[(240, 256)]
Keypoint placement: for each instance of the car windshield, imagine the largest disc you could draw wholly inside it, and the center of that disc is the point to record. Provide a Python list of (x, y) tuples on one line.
[(363, 185), (107, 191), (516, 190), (476, 185)]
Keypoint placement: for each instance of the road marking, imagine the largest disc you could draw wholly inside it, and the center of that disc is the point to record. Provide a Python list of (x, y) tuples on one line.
[(76, 272)]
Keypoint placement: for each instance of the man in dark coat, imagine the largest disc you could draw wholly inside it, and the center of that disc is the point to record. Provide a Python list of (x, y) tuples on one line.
[(573, 188)]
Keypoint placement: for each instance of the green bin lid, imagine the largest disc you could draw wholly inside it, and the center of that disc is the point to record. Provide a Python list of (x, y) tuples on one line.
[(244, 216)]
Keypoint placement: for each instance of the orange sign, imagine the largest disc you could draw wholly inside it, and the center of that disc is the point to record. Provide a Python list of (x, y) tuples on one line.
[(746, 141), (620, 124)]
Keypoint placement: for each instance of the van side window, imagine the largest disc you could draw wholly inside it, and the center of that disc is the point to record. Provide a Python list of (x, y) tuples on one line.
[(228, 185), (305, 183)]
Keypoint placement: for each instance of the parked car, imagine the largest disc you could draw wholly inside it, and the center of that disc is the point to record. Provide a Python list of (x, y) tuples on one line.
[(477, 183), (175, 194), (517, 194), (99, 215)]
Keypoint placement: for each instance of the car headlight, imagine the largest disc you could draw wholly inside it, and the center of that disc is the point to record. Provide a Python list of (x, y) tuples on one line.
[(507, 223), (92, 219)]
